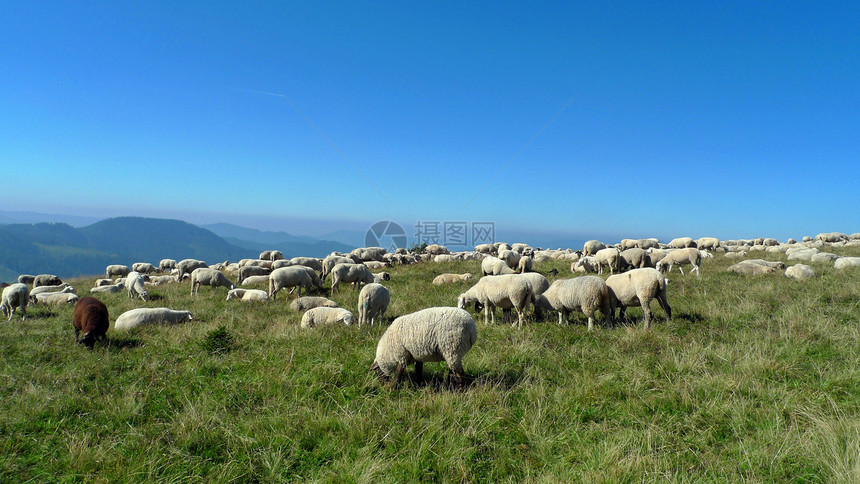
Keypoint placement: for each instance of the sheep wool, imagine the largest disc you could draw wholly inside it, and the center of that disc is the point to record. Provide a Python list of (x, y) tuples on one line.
[(639, 287), (323, 315)]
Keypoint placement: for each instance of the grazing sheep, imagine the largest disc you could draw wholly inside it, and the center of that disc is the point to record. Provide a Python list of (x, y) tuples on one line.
[(680, 257), (323, 315), (381, 277), (493, 266), (46, 289), (525, 265), (592, 246), (248, 294), (91, 319), (315, 278), (54, 298), (655, 256), (436, 249), (484, 248), (15, 296), (377, 266), (708, 243), (166, 264), (248, 271), (432, 334), (627, 244), (646, 244), (144, 267), (637, 288), (113, 288), (140, 316), (610, 258), (116, 270), (682, 243), (449, 278), (329, 262), (635, 257), (312, 262), (205, 276), (134, 285), (187, 266), (511, 291), (355, 273), (310, 302), (281, 263), (254, 280), (288, 277), (586, 294), (46, 280), (365, 254), (800, 272), (373, 301), (587, 264), (26, 279)]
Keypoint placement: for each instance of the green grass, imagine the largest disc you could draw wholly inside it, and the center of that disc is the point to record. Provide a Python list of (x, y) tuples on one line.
[(755, 379)]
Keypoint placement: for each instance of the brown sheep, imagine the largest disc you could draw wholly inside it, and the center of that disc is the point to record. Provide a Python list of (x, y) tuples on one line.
[(91, 318)]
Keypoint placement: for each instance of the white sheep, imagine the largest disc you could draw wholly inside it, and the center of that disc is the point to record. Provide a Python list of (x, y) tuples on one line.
[(708, 243), (350, 273), (323, 315), (205, 276), (376, 266), (587, 264), (103, 282), (140, 316), (288, 277), (635, 257), (255, 280), (143, 267), (682, 243), (134, 285), (187, 266), (15, 296), (432, 334), (511, 258), (249, 270), (525, 264), (46, 289), (586, 294), (247, 295), (610, 258), (448, 278), (112, 288), (373, 301), (637, 288), (381, 277), (166, 264), (46, 280), (800, 272), (592, 246), (493, 266), (680, 257), (116, 270), (332, 260), (509, 291), (627, 244), (646, 244), (54, 298), (159, 280), (312, 262), (309, 302)]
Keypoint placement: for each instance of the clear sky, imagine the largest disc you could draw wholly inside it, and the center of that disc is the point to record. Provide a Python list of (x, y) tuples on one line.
[(733, 119)]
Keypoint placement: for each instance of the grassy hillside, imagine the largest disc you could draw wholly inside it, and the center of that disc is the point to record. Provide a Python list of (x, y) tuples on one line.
[(755, 379)]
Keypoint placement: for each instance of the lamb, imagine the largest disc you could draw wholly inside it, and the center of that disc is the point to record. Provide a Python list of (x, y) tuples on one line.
[(116, 270), (310, 302), (187, 266), (354, 273), (329, 262), (108, 289), (46, 289), (449, 278), (288, 277), (690, 256), (46, 280), (134, 286), (166, 264), (639, 287), (373, 301), (26, 279), (586, 294), (635, 257), (143, 267), (248, 271), (525, 265), (609, 258), (205, 276), (248, 295), (432, 334), (15, 296), (91, 319), (254, 280), (141, 316), (54, 298), (592, 246), (506, 292), (511, 258), (493, 266), (585, 264), (323, 315)]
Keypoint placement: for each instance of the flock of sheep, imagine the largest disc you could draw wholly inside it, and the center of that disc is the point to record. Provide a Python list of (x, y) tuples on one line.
[(637, 275)]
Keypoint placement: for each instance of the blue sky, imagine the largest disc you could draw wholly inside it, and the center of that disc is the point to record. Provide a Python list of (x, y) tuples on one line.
[(733, 119)]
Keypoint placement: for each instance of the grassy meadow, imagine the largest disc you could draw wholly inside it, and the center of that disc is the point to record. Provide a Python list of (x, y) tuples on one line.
[(756, 379)]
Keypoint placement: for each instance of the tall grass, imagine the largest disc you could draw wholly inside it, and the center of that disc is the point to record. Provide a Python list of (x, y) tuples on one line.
[(755, 379)]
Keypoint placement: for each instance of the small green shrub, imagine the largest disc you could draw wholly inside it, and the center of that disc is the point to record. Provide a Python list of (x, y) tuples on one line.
[(218, 341)]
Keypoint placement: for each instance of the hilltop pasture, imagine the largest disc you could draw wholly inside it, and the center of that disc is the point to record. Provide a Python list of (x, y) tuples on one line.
[(756, 378)]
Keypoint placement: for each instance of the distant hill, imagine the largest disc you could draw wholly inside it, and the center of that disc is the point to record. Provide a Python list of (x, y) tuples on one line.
[(290, 245), (61, 249)]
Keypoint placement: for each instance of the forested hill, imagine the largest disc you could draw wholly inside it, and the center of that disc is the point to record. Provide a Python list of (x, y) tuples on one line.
[(67, 251)]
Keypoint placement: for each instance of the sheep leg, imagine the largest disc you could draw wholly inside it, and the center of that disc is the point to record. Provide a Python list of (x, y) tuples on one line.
[(419, 371), (696, 268), (591, 323), (646, 308), (680, 268), (399, 375), (665, 305)]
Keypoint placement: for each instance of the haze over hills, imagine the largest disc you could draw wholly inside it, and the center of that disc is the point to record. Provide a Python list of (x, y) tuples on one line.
[(290, 245)]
